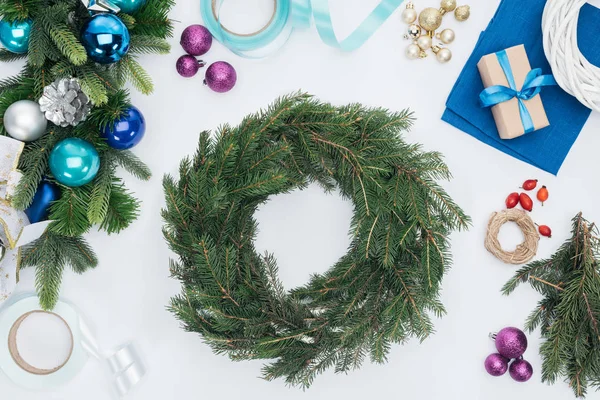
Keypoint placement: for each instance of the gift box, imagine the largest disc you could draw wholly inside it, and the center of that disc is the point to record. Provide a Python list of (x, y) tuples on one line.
[(507, 76)]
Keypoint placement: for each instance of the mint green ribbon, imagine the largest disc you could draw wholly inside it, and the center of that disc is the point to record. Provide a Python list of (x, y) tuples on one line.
[(290, 14)]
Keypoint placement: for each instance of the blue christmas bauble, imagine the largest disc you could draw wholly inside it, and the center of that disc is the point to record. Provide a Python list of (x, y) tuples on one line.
[(14, 36), (127, 131), (105, 38), (46, 193), (74, 162), (129, 6)]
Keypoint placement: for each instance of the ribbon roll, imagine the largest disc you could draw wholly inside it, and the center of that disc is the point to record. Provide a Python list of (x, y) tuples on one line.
[(125, 368), (290, 14), (15, 228), (532, 86)]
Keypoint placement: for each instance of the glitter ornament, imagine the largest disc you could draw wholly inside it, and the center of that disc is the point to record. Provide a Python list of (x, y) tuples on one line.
[(520, 370), (196, 40), (188, 66), (430, 19), (64, 102), (496, 364), (462, 13), (511, 342), (448, 5), (220, 77)]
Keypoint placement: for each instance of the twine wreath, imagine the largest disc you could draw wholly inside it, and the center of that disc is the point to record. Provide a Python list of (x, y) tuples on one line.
[(524, 251), (383, 291)]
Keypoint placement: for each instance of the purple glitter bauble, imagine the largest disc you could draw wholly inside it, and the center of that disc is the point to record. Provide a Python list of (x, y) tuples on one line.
[(221, 77), (520, 370), (196, 40), (187, 66), (511, 342), (496, 364)]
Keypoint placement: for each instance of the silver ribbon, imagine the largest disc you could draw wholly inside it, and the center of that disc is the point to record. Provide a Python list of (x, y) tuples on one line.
[(100, 6)]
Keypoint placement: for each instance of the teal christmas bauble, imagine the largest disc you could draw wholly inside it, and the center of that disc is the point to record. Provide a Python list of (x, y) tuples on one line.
[(129, 6), (14, 36), (74, 162), (105, 38)]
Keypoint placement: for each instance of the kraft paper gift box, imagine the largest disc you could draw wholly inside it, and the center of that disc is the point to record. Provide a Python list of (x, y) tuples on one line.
[(507, 114)]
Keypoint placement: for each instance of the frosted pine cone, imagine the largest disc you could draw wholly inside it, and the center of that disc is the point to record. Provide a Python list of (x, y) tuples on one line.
[(64, 103)]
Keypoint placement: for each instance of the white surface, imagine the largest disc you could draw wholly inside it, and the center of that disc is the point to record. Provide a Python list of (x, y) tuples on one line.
[(44, 340), (127, 295)]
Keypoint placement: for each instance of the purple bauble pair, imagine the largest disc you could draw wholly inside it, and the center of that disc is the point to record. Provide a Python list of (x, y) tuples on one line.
[(497, 365)]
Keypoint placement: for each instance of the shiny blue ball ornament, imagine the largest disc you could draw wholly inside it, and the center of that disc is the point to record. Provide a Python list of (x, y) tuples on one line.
[(14, 36), (127, 131), (39, 210), (129, 6), (74, 162), (105, 38)]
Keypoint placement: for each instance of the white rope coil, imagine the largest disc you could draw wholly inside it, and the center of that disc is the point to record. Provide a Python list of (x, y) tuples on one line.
[(572, 71)]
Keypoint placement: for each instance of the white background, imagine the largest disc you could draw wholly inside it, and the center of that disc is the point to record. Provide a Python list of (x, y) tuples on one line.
[(127, 295)]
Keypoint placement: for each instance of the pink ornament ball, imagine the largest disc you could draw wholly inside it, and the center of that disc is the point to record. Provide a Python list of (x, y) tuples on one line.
[(511, 342), (520, 370), (187, 66), (220, 77), (496, 364), (196, 40)]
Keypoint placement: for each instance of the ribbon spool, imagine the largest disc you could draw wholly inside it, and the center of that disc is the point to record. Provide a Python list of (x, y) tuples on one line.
[(124, 367), (288, 15)]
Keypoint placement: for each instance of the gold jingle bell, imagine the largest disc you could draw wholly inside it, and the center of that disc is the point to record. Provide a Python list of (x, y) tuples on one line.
[(430, 19)]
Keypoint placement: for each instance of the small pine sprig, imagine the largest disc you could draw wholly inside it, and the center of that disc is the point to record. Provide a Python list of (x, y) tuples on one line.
[(568, 314)]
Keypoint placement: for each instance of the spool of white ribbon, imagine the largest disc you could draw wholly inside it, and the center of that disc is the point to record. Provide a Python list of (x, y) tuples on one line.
[(124, 366)]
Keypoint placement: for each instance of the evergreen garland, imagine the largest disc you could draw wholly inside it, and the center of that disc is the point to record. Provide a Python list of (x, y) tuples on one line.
[(55, 52), (569, 312), (383, 291)]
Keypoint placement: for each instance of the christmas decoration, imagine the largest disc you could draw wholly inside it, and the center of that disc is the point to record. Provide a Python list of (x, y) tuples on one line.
[(574, 72), (496, 364), (46, 193), (188, 66), (511, 342), (231, 294), (526, 202), (422, 35), (196, 40), (529, 184), (462, 13), (542, 194), (567, 314), (56, 52), (126, 131), (220, 77), (105, 38), (512, 200), (524, 251), (520, 370), (64, 102), (74, 162), (129, 6), (24, 121), (14, 36), (100, 6)]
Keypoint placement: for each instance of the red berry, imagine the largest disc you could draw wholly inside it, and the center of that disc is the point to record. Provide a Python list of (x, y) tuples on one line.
[(526, 202), (530, 184), (542, 194), (545, 230), (512, 200)]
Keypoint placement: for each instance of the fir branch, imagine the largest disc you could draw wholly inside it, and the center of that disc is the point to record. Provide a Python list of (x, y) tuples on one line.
[(132, 164), (141, 44), (138, 77)]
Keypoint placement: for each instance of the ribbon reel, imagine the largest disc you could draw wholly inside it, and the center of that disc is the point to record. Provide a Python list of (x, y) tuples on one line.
[(288, 15)]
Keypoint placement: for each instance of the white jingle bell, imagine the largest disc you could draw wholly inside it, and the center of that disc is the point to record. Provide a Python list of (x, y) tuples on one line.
[(25, 121), (413, 52), (424, 42)]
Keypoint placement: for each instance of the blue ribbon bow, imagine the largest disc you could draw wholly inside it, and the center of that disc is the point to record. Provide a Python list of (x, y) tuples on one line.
[(534, 81)]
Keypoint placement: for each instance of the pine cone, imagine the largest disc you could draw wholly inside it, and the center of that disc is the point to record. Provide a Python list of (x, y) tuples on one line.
[(64, 103)]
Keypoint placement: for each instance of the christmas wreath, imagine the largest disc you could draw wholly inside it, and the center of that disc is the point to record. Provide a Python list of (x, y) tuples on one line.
[(68, 104), (383, 291)]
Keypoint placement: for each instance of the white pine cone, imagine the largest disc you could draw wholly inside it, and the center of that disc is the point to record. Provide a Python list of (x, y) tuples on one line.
[(64, 103)]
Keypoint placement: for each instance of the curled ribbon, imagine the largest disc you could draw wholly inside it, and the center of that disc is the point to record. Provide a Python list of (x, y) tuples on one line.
[(15, 228), (534, 81), (290, 14)]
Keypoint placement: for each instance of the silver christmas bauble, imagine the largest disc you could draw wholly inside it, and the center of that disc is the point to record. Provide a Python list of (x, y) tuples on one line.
[(25, 121), (414, 31), (413, 52)]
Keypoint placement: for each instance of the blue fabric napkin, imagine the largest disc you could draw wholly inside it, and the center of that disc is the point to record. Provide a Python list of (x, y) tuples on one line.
[(519, 22)]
